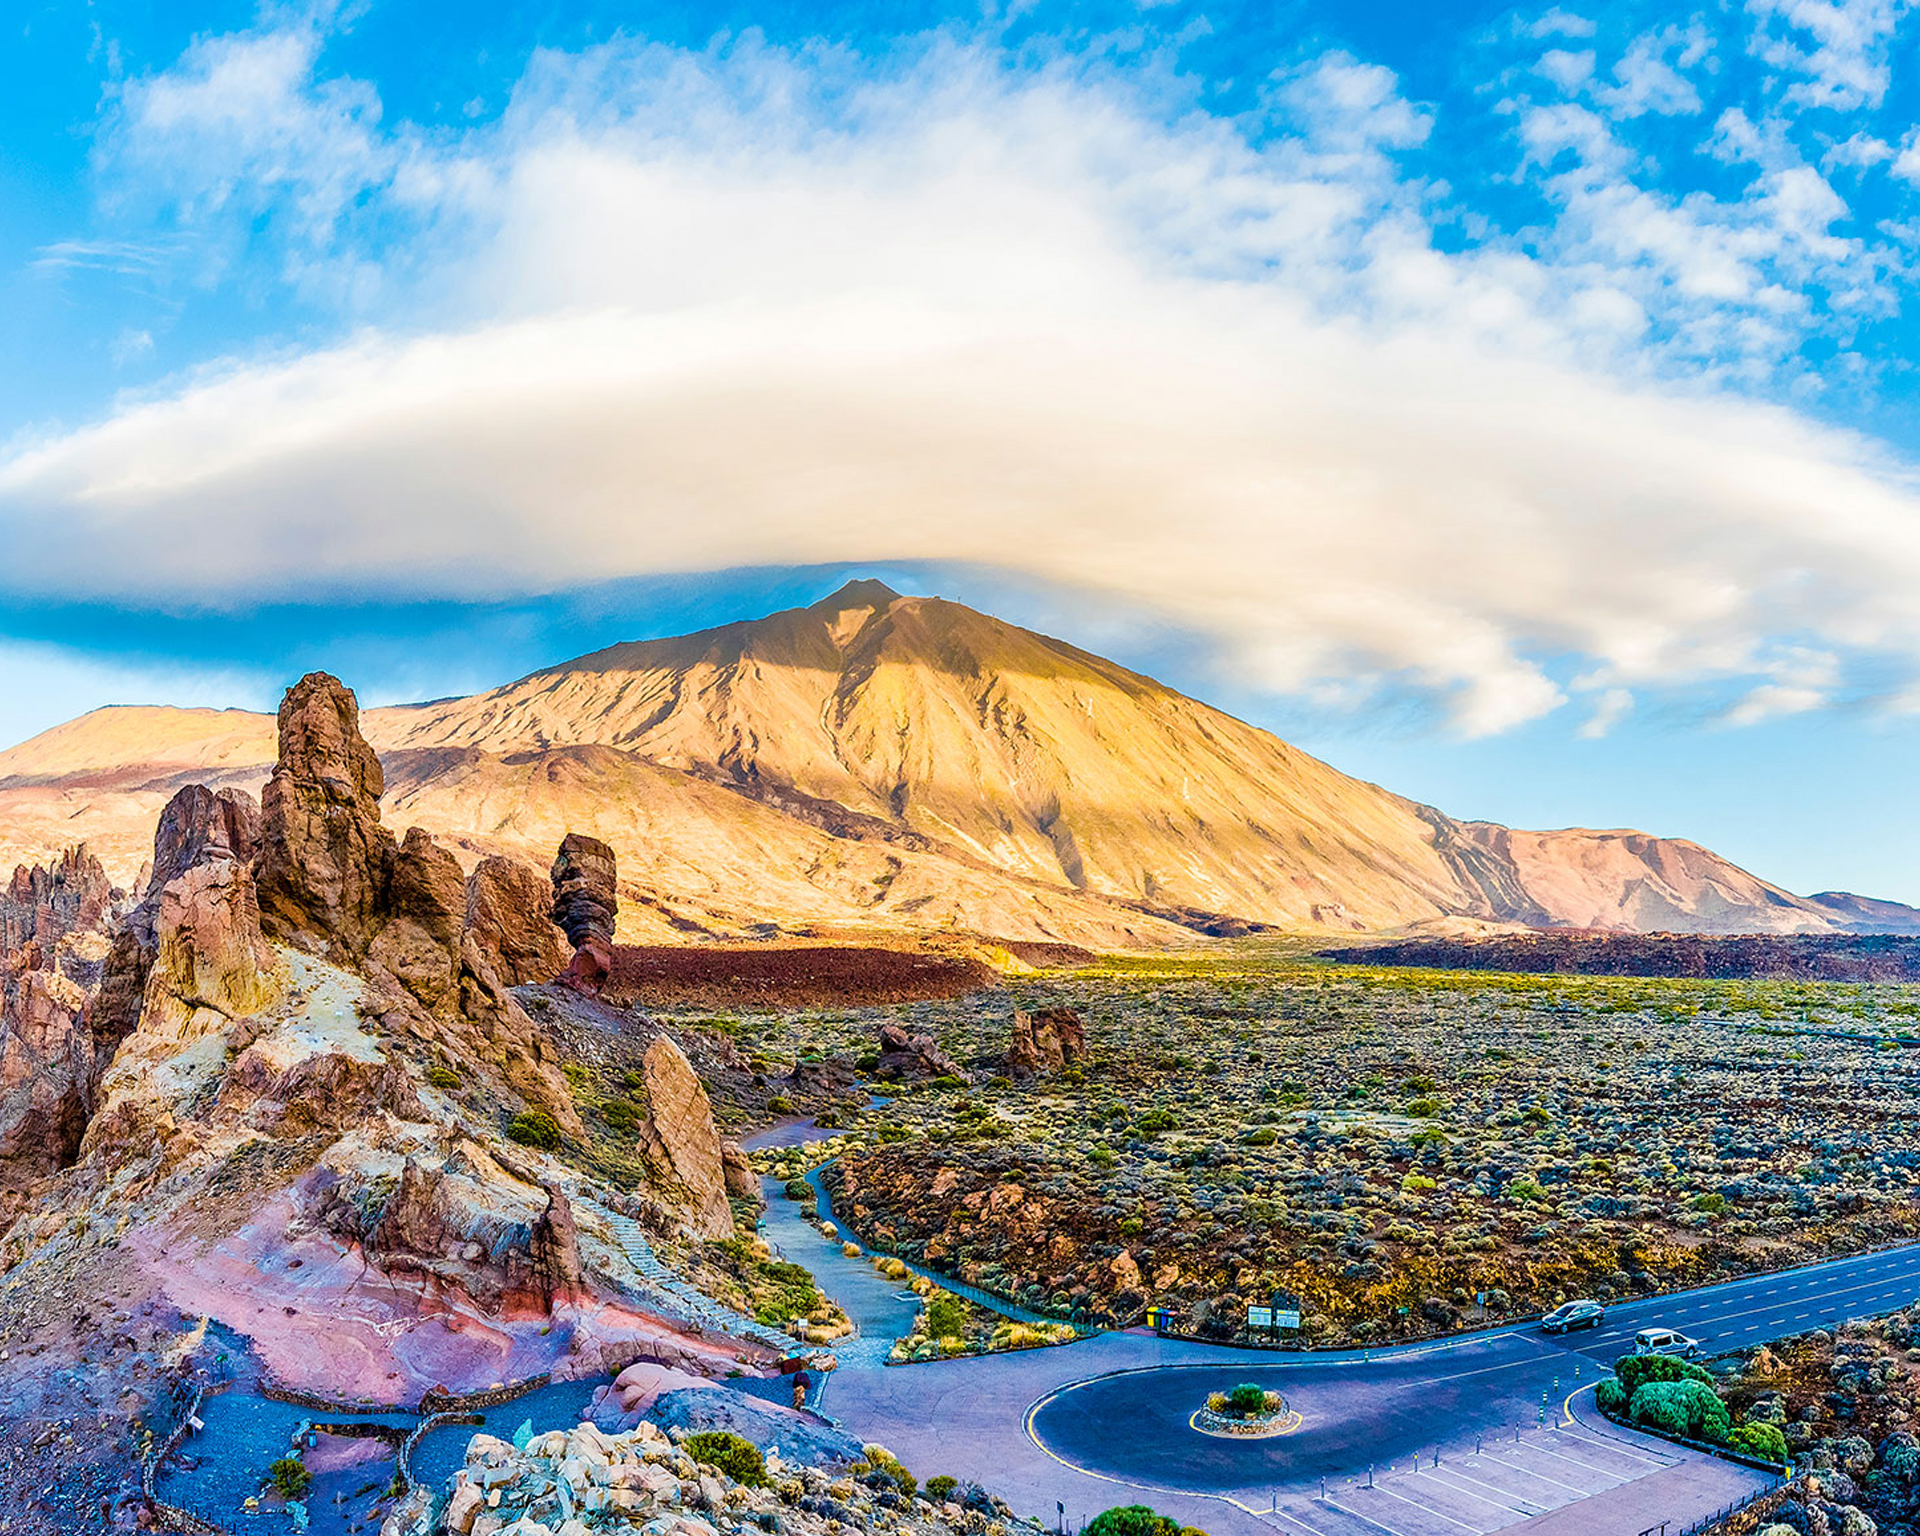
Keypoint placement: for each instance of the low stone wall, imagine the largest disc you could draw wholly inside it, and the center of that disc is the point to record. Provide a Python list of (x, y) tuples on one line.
[(299, 1399), (420, 1430), (436, 1401), (1745, 1519), (165, 1516)]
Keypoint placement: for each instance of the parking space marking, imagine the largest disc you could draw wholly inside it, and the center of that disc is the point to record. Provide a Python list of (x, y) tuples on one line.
[(1367, 1519), (1429, 1509), (1508, 1498)]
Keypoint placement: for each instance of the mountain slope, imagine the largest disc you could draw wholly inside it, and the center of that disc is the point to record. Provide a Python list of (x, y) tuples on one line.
[(909, 762)]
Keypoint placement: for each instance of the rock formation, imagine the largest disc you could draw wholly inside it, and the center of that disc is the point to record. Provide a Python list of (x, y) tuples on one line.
[(471, 1223), (44, 904), (46, 1077), (197, 827), (1045, 1041), (325, 860), (909, 1058), (681, 1140), (507, 915), (585, 905)]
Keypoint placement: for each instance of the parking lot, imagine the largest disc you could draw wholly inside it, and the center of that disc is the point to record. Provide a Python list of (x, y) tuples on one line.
[(1514, 1482)]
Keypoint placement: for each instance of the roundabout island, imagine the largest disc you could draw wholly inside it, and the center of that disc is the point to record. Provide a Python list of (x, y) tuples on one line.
[(1248, 1412)]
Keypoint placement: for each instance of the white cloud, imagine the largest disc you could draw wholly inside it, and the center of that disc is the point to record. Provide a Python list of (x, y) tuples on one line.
[(680, 311), (1832, 52)]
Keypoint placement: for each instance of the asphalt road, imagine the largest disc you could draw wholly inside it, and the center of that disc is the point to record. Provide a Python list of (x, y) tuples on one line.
[(1489, 1432)]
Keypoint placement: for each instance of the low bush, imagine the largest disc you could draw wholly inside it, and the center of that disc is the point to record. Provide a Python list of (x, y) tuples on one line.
[(1611, 1396), (941, 1488), (1760, 1440), (1247, 1399), (1635, 1371), (535, 1128), (1688, 1408), (738, 1458)]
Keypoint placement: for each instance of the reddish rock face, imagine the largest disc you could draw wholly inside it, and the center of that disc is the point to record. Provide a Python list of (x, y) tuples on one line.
[(325, 864), (507, 916), (1045, 1041), (46, 1076), (585, 906)]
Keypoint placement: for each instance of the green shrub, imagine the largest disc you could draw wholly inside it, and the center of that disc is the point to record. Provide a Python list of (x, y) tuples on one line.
[(1152, 1123), (1713, 1205), (289, 1478), (941, 1488), (443, 1078), (1760, 1440), (946, 1317), (535, 1128), (1689, 1408), (1635, 1371), (1248, 1398), (1131, 1520), (1610, 1396), (726, 1452)]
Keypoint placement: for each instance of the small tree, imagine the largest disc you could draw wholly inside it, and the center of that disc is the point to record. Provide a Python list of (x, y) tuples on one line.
[(1131, 1520), (1247, 1399), (289, 1478)]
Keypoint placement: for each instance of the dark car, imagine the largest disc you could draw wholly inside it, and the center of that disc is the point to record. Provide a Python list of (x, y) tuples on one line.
[(1575, 1314)]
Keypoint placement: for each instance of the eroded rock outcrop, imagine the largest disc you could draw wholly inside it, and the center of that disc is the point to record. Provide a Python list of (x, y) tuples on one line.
[(325, 862), (470, 1223), (910, 1058), (42, 905), (1045, 1041), (586, 906), (508, 916), (682, 1141), (46, 1076), (198, 826)]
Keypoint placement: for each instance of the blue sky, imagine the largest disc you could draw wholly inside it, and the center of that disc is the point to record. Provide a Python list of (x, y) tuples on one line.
[(1513, 405)]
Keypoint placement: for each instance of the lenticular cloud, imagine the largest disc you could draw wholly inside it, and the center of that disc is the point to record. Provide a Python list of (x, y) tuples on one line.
[(679, 313)]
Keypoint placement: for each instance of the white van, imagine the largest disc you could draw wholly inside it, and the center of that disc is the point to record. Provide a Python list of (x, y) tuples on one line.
[(1664, 1341)]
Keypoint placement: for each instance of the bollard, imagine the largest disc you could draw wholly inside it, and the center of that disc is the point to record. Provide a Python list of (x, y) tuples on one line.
[(1369, 1474)]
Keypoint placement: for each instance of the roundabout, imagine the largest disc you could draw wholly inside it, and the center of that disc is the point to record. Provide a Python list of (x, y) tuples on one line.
[(1248, 1412)]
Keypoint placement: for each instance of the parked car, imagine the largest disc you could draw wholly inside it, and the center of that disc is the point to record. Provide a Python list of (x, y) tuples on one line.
[(1573, 1314), (1664, 1341)]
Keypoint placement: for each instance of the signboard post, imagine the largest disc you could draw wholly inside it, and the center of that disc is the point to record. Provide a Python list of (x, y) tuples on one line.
[(1259, 1317)]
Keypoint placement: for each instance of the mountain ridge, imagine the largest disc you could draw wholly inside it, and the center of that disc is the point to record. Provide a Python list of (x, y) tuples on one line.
[(908, 762)]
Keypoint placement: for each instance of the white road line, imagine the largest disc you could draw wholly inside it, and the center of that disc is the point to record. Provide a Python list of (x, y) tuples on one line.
[(1580, 1493), (1363, 1519), (1632, 1452), (1587, 1466), (1506, 1501), (1430, 1510), (1293, 1519)]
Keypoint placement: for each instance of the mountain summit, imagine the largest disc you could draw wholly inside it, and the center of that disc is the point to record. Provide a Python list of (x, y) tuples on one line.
[(908, 762)]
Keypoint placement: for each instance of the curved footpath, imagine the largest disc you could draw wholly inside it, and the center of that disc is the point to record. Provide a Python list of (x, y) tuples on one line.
[(1487, 1432)]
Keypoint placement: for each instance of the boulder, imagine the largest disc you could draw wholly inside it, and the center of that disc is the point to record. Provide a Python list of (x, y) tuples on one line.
[(682, 1142), (909, 1058), (1045, 1041), (585, 906), (507, 915), (325, 862), (741, 1181)]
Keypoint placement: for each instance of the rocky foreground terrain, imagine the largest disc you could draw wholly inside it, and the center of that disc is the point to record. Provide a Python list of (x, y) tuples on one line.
[(278, 1115)]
